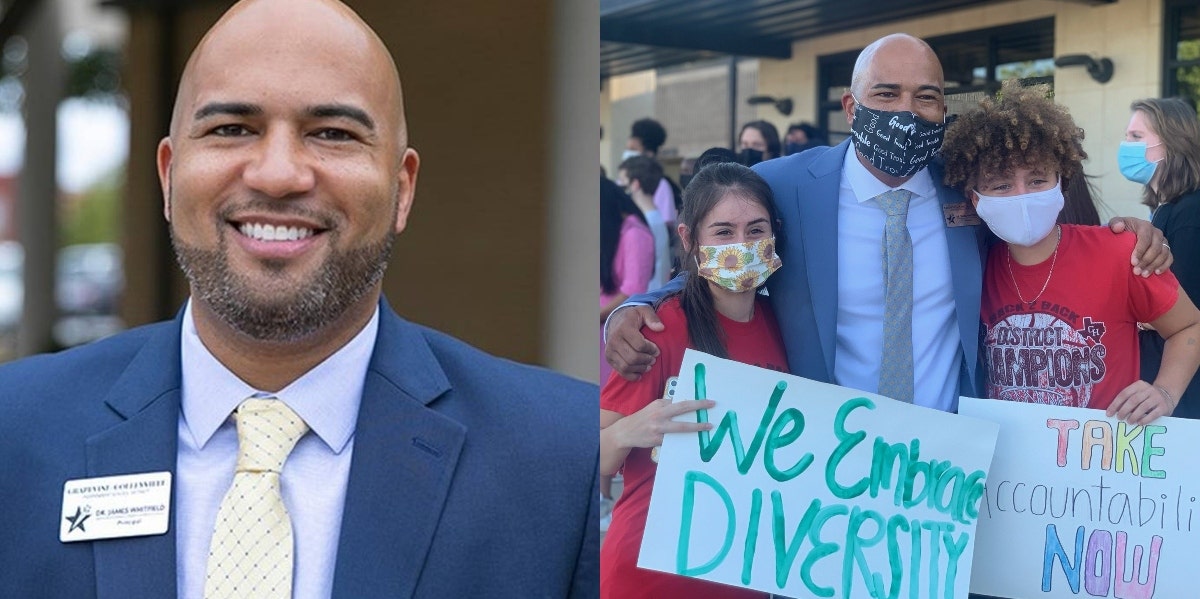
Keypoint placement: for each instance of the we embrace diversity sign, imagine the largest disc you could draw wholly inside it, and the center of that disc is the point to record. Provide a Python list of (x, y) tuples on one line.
[(1082, 505), (808, 489)]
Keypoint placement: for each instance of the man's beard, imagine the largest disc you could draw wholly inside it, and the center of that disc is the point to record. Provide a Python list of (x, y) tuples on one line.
[(341, 280)]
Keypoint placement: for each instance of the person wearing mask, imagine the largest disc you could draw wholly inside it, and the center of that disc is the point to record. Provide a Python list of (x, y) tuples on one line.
[(847, 206), (637, 176), (1060, 309), (729, 229), (802, 136), (758, 141), (646, 136), (1162, 152)]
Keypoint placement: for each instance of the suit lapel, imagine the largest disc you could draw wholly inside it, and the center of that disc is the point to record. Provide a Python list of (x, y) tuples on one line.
[(146, 399), (966, 274), (404, 459), (819, 223)]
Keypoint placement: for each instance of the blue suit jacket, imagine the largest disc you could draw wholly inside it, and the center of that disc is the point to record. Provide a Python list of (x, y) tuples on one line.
[(804, 292), (472, 476)]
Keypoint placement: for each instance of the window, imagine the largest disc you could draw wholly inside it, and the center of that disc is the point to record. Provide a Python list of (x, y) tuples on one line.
[(1181, 49), (974, 63)]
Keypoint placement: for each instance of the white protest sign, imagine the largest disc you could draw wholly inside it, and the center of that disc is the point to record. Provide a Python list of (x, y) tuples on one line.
[(807, 489), (1079, 504)]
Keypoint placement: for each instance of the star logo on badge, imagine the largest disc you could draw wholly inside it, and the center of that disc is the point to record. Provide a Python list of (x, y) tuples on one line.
[(77, 520)]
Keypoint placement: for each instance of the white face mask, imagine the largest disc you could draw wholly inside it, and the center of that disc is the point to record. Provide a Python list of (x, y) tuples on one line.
[(1024, 219), (627, 154)]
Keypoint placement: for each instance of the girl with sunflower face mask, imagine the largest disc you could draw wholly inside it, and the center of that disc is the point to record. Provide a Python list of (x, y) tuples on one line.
[(728, 227)]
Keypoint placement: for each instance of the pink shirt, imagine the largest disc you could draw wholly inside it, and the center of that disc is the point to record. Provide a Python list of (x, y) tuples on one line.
[(664, 200), (632, 267)]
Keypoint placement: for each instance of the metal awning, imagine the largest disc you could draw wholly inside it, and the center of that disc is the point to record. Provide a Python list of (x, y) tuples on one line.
[(636, 35)]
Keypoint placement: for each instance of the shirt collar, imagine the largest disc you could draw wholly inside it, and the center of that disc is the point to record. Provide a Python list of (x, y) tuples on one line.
[(866, 186), (326, 397)]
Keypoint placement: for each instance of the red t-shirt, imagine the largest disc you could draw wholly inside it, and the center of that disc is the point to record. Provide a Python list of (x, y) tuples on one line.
[(1077, 344), (755, 342)]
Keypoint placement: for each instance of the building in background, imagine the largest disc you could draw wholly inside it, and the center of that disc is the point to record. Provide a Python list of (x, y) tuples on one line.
[(64, 131), (500, 248), (804, 51)]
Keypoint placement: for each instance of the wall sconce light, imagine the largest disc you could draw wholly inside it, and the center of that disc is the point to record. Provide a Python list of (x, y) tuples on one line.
[(1100, 70), (783, 105)]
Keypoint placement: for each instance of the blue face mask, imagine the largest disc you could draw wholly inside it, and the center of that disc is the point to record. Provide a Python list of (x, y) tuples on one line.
[(1131, 159)]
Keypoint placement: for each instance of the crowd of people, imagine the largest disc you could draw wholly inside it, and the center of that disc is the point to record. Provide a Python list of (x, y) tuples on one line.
[(808, 223)]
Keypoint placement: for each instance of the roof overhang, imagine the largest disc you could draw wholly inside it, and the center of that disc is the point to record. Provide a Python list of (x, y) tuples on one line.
[(636, 35)]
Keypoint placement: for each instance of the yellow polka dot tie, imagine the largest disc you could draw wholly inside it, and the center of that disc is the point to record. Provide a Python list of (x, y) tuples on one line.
[(251, 551)]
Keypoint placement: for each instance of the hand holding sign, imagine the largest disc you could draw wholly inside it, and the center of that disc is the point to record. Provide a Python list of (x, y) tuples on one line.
[(646, 427), (1140, 403), (1080, 504)]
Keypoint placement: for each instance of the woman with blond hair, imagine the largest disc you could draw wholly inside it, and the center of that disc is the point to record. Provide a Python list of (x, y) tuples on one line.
[(1169, 166)]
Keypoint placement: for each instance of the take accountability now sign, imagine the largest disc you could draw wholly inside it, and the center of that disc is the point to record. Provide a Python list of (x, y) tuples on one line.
[(1082, 505)]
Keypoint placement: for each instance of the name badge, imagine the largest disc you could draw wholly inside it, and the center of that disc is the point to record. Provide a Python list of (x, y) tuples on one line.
[(111, 507), (961, 214)]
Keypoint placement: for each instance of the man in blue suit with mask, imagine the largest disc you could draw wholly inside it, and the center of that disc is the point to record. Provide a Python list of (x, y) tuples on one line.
[(288, 435), (908, 330)]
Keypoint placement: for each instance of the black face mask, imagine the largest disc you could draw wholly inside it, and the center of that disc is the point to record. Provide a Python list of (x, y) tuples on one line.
[(897, 143), (749, 157), (794, 148)]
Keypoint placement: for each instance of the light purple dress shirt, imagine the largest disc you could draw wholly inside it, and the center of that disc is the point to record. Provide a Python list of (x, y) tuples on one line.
[(314, 477)]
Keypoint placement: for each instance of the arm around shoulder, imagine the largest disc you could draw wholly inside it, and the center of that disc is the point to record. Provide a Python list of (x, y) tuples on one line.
[(1151, 254), (626, 349), (649, 298)]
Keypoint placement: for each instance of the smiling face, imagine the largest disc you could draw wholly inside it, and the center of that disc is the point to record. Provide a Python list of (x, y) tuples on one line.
[(286, 176), (735, 219)]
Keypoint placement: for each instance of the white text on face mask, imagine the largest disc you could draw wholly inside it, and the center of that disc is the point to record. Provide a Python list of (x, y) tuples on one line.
[(896, 143)]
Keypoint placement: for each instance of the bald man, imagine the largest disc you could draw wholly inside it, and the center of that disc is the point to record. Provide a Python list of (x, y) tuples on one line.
[(288, 435)]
